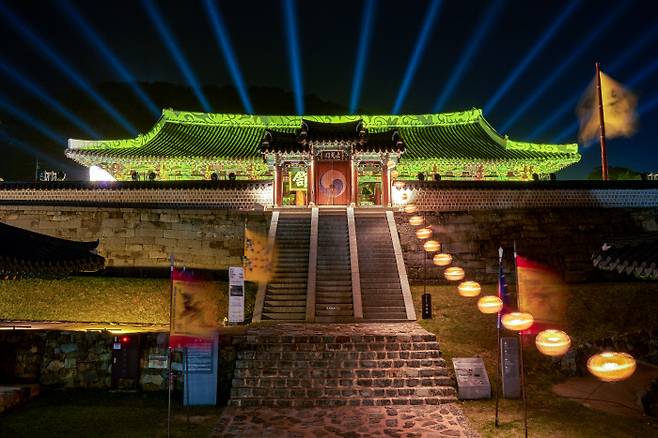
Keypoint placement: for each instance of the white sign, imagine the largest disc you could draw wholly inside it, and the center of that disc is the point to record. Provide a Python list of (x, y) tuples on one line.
[(235, 294)]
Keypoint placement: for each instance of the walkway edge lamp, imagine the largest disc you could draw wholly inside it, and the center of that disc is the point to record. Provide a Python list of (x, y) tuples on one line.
[(424, 233), (552, 342), (517, 321), (490, 304), (416, 220), (611, 366), (454, 273), (442, 259), (410, 208), (431, 246), (469, 289)]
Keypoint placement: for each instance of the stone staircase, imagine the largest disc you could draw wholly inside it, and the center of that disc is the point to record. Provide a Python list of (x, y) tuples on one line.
[(333, 284), (317, 365), (381, 289), (285, 296)]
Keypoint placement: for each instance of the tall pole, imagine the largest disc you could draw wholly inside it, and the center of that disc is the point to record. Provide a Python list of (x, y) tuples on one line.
[(523, 391), (604, 152), (498, 372), (169, 350)]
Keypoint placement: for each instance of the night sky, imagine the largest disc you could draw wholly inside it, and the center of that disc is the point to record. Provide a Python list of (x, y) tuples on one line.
[(622, 35)]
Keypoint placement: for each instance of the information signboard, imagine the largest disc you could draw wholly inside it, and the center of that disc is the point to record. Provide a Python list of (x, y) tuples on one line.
[(472, 379), (200, 371), (235, 294), (511, 372)]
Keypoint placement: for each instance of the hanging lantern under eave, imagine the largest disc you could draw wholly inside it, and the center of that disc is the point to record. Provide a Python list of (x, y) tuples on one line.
[(424, 233), (410, 208), (517, 321), (432, 246), (442, 259), (390, 164), (394, 174), (490, 304), (416, 220), (552, 342), (611, 366), (454, 273), (398, 185), (469, 289)]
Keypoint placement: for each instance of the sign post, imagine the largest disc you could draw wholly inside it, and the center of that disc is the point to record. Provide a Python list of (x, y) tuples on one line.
[(235, 295)]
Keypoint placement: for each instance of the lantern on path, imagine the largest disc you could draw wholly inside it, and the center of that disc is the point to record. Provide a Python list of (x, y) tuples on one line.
[(410, 208), (469, 289), (611, 366), (517, 321), (552, 342), (442, 259), (416, 220), (454, 273), (424, 233), (490, 304), (432, 246)]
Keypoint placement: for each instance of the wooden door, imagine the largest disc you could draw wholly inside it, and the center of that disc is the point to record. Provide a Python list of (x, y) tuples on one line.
[(332, 183)]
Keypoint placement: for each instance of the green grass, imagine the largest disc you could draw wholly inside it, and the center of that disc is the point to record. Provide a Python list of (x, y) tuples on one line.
[(102, 414), (99, 299), (595, 310)]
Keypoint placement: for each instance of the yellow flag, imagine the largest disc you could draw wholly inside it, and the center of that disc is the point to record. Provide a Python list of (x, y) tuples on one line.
[(257, 256), (619, 110)]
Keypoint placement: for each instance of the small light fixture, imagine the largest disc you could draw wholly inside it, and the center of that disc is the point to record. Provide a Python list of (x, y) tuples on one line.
[(424, 233), (416, 220), (611, 366), (490, 304), (454, 273), (410, 208), (431, 246), (399, 185), (469, 289), (394, 173), (517, 321), (390, 164), (442, 259), (552, 342)]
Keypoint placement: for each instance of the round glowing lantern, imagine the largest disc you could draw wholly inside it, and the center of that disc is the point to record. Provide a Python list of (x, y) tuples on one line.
[(490, 304), (390, 164), (416, 220), (611, 366), (454, 273), (552, 342), (469, 288), (517, 321), (432, 246), (424, 233), (399, 184), (394, 173), (442, 259), (410, 208)]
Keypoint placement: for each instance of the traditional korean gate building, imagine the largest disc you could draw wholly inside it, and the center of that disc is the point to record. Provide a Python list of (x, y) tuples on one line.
[(323, 160)]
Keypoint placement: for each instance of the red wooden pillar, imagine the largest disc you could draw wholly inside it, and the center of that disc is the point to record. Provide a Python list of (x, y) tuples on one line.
[(310, 185), (278, 185), (386, 186), (355, 184)]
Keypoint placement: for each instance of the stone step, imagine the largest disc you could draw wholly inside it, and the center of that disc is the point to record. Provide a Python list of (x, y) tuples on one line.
[(369, 356), (332, 402), (281, 302), (285, 316), (364, 392)]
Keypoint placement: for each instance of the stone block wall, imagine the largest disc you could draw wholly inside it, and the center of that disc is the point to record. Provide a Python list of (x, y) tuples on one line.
[(559, 237), (144, 237)]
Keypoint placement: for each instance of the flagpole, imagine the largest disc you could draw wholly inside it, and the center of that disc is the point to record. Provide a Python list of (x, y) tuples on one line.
[(169, 350), (523, 389), (498, 373), (604, 153)]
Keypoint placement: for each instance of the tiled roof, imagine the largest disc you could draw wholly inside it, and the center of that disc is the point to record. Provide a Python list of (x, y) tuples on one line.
[(447, 136), (24, 253), (636, 256)]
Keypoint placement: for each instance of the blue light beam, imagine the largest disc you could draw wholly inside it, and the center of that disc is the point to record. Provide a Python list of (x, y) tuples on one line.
[(426, 30), (28, 119), (100, 45), (619, 62), (292, 34), (362, 52), (649, 105), (530, 56), (224, 42), (562, 68), (482, 28), (35, 152), (42, 95), (76, 78), (167, 37)]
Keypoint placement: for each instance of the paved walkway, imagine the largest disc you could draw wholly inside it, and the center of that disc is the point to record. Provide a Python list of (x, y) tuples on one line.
[(347, 422)]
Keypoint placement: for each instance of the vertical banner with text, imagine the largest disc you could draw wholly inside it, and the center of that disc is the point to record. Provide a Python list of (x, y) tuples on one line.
[(235, 294)]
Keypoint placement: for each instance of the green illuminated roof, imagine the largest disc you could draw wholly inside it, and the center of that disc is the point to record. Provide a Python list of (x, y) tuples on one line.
[(446, 138)]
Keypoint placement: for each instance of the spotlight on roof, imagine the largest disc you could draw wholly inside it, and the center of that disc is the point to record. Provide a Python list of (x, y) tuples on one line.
[(99, 174)]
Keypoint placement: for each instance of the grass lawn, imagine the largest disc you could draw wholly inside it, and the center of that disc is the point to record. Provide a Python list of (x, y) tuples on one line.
[(103, 414), (595, 311), (100, 299)]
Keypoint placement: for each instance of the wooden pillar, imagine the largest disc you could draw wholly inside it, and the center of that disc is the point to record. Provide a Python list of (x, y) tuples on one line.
[(278, 185), (311, 183), (355, 184), (386, 186)]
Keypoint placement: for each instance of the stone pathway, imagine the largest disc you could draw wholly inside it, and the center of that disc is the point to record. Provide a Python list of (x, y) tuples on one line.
[(348, 422)]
